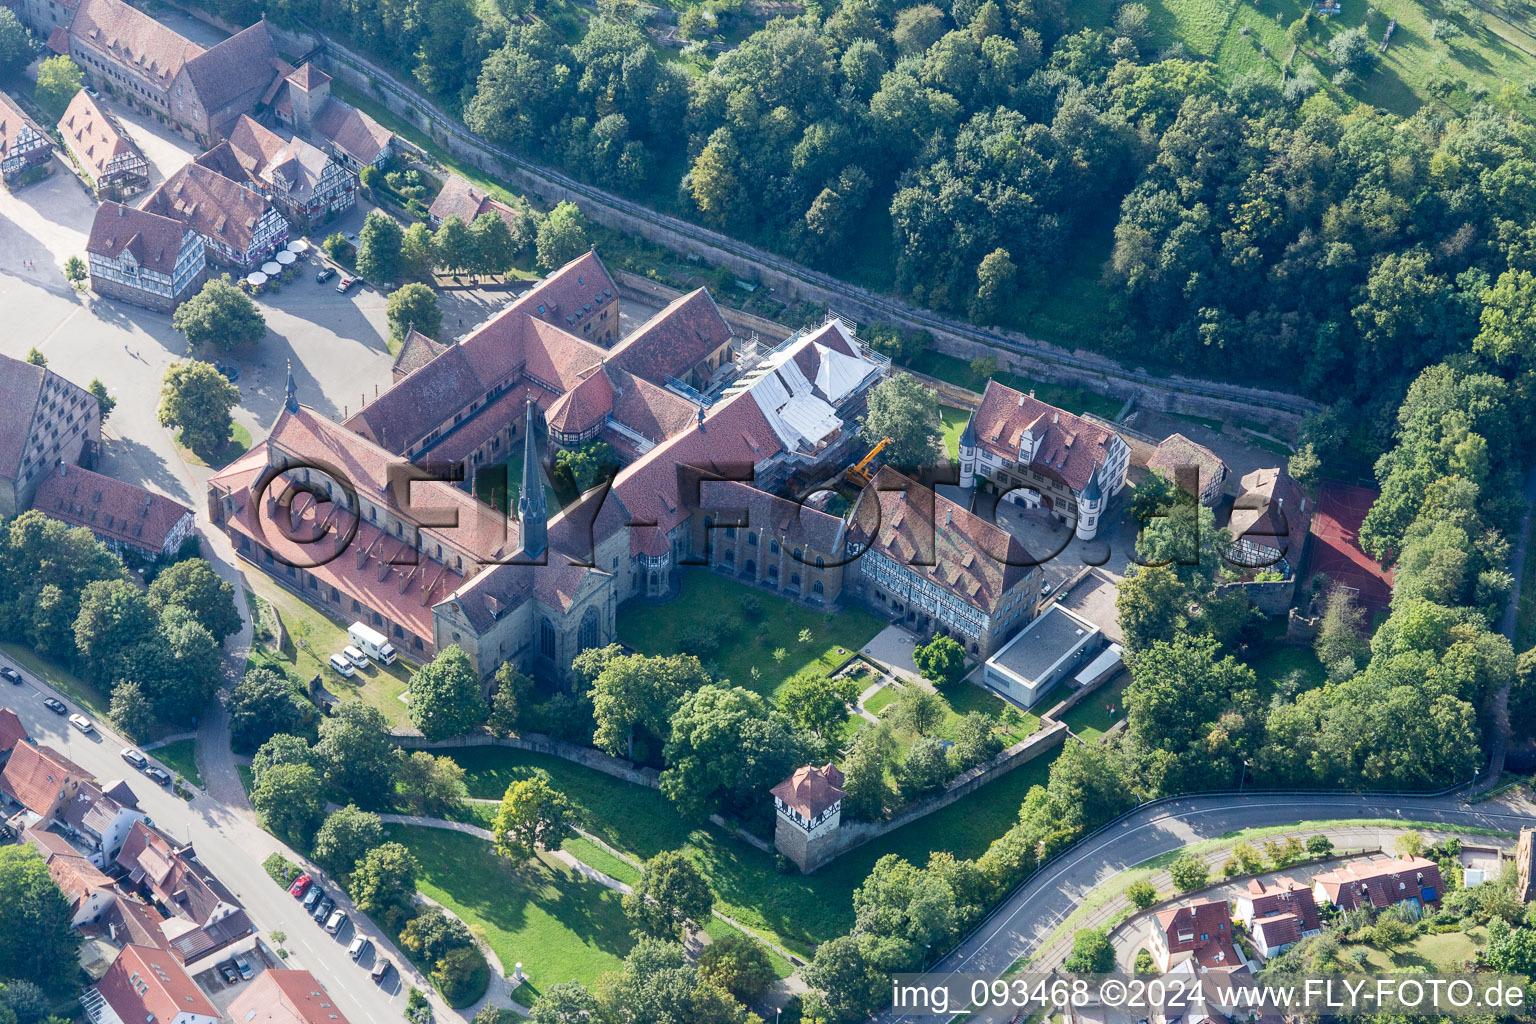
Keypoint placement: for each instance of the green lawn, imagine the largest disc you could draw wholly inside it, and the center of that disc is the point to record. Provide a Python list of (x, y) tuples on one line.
[(714, 601), (795, 910), (1089, 719), (959, 701), (312, 637), (958, 372), (954, 425), (180, 758), (882, 698), (594, 856), (540, 913), (1489, 50), (1272, 662), (1434, 953)]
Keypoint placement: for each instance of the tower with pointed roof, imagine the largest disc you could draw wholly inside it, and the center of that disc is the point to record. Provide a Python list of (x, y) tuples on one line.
[(1089, 504), (532, 508), (967, 453), (290, 392)]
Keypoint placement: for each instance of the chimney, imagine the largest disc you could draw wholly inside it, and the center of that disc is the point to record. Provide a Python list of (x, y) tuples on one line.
[(1021, 399), (1055, 417), (1031, 392)]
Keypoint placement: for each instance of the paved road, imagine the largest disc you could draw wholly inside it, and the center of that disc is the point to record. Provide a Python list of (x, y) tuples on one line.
[(1031, 913), (233, 847)]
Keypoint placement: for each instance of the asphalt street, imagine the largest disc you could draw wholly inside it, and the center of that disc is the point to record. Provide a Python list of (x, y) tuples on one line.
[(1030, 915), (231, 846)]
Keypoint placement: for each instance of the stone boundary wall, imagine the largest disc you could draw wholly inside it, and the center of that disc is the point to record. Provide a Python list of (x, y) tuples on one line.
[(851, 836), (539, 744), (654, 293)]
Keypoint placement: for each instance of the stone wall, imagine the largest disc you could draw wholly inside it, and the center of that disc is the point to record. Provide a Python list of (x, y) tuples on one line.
[(1271, 597), (654, 293), (853, 835)]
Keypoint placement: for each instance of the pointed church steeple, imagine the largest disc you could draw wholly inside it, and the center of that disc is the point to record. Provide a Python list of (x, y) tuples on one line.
[(291, 391), (532, 509)]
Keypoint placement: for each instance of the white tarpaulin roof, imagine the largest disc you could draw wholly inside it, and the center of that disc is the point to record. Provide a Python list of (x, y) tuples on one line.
[(839, 374)]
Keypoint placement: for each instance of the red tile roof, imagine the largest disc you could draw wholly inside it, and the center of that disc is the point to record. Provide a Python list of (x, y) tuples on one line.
[(12, 731), (1278, 929), (13, 120), (797, 523), (925, 532), (240, 68), (1271, 511), (1284, 896), (675, 340), (145, 983), (21, 388), (1176, 452), (35, 776), (134, 39), (76, 876), (1069, 444), (352, 131), (571, 295), (112, 508), (285, 997), (211, 204), (155, 241), (811, 790), (1183, 927), (416, 351), (583, 407), (93, 136), (1381, 883)]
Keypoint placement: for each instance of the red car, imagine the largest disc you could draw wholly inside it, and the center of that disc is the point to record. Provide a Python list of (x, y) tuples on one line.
[(299, 887)]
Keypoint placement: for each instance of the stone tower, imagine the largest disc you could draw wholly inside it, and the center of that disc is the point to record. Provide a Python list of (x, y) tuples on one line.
[(809, 806), (1089, 504), (308, 89), (532, 508)]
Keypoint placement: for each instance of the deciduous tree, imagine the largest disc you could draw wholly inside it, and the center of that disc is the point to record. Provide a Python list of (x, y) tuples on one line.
[(221, 316), (532, 817), (671, 892), (445, 696), (196, 399)]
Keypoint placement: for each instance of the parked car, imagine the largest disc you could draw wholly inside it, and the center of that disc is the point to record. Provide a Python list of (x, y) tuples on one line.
[(55, 705), (341, 666), (358, 948), (82, 723), (159, 774), (300, 886), (313, 897), (344, 284), (228, 973), (380, 968), (324, 274), (244, 967), (355, 656), (337, 922), (12, 675), (135, 758), (323, 911)]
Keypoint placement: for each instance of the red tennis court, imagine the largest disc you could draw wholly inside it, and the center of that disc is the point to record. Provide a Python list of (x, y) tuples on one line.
[(1335, 548)]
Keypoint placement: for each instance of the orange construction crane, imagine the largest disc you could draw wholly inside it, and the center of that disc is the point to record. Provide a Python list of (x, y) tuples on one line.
[(861, 474)]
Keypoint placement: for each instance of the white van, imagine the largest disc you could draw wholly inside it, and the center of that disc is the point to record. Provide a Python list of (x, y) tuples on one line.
[(341, 666), (372, 643)]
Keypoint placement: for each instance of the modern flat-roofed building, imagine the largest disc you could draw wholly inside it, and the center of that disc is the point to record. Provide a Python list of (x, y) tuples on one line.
[(1055, 646)]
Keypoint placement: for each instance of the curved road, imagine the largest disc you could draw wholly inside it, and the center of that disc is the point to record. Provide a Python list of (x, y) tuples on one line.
[(1032, 912)]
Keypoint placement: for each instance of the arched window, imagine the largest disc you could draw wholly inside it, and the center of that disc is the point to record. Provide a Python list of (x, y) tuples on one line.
[(751, 567), (773, 547), (751, 538), (816, 587), (794, 579), (587, 636), (773, 572), (796, 554), (730, 557), (730, 532), (546, 638), (821, 563)]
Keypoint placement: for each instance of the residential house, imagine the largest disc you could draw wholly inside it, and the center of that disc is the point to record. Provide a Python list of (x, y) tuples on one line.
[(24, 146), (1197, 934), (1192, 467), (98, 819), (42, 780), (12, 732), (123, 516), (90, 893), (1412, 881), (305, 106), (204, 918), (111, 163), (306, 184), (458, 198), (1039, 456), (1278, 914), (285, 997), (240, 228), (144, 258), (145, 984), (44, 420)]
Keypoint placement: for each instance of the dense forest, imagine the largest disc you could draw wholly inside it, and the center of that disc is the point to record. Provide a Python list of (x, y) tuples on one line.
[(1264, 232)]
